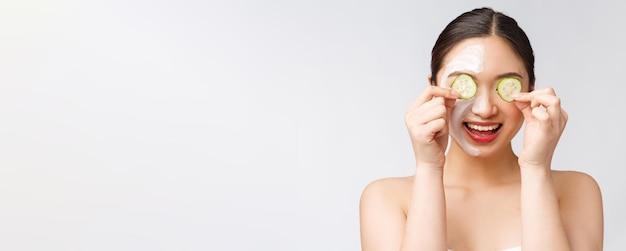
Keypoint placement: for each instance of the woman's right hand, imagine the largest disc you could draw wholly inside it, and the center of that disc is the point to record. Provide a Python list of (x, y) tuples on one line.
[(427, 122)]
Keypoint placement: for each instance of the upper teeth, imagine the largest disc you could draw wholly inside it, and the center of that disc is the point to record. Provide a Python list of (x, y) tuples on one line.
[(483, 128)]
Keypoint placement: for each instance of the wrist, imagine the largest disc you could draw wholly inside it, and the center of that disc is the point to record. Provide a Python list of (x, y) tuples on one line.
[(528, 164), (534, 167), (535, 172), (429, 170), (425, 166)]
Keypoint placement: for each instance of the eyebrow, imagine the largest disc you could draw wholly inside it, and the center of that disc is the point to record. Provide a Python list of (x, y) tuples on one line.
[(504, 75), (510, 74)]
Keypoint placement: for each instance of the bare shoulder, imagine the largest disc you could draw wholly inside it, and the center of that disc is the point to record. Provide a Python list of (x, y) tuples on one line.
[(580, 202), (382, 213), (390, 185), (391, 191), (575, 183)]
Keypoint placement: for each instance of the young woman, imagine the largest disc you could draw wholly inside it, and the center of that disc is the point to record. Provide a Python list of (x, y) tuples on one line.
[(480, 195)]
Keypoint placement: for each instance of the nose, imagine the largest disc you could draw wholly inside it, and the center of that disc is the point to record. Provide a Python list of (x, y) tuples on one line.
[(484, 105)]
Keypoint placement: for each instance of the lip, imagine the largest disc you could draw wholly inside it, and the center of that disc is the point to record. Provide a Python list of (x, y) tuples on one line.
[(482, 138)]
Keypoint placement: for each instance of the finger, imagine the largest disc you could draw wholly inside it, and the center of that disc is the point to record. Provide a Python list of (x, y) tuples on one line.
[(527, 96), (436, 128), (429, 111), (438, 101), (434, 91), (522, 96), (449, 103), (429, 105), (545, 97), (540, 114), (525, 108), (564, 118), (430, 130), (551, 103), (545, 90)]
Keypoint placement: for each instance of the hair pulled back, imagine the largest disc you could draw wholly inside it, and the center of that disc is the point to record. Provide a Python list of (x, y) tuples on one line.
[(483, 22)]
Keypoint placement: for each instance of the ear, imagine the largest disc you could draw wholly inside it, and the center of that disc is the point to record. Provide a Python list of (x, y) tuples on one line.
[(430, 79)]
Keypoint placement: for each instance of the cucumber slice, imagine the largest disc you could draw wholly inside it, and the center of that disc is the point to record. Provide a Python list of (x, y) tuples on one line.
[(507, 87), (464, 85)]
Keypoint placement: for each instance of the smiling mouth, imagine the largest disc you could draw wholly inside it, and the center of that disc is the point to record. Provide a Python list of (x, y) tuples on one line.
[(482, 130)]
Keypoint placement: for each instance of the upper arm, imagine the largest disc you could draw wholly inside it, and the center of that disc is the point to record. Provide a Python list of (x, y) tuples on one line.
[(382, 218), (582, 211)]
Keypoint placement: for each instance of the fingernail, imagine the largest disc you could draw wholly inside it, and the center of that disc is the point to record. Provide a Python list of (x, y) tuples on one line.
[(516, 95), (455, 93)]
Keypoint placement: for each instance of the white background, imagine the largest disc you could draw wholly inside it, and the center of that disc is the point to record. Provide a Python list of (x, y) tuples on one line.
[(250, 125)]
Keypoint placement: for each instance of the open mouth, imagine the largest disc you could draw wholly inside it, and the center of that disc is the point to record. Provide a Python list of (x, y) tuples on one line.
[(482, 133)]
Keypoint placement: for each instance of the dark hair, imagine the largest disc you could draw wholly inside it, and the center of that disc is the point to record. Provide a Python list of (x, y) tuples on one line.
[(483, 22)]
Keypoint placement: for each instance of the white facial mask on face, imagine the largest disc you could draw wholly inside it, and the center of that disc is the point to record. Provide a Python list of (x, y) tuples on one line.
[(470, 59)]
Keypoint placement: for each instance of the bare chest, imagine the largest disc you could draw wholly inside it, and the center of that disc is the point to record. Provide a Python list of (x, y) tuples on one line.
[(486, 220)]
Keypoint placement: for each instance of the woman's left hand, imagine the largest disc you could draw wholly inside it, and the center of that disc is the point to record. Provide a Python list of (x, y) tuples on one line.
[(545, 122)]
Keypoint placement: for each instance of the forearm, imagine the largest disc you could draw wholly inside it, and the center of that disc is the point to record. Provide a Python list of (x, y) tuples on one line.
[(542, 227), (426, 217)]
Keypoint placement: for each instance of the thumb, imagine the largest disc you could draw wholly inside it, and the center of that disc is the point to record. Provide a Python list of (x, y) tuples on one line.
[(524, 106)]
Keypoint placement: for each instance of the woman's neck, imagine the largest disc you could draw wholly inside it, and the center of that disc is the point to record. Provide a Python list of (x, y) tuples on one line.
[(488, 169)]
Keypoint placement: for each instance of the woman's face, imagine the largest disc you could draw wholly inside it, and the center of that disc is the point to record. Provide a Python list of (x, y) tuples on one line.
[(484, 124)]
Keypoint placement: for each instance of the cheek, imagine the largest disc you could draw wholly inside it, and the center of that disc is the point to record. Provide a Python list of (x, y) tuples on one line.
[(460, 110), (513, 114)]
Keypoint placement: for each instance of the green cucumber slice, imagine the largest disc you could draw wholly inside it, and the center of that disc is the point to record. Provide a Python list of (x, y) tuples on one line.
[(464, 85), (507, 87)]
